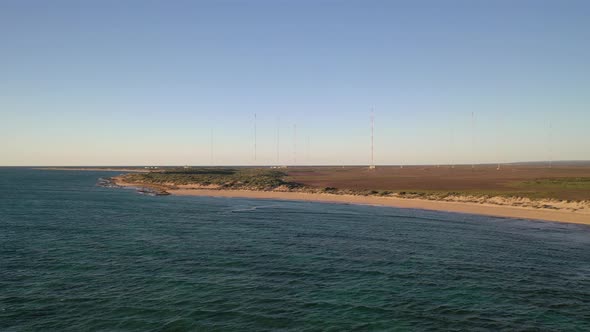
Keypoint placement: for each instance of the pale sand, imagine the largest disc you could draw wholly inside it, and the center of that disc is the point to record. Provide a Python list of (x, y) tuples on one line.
[(577, 217)]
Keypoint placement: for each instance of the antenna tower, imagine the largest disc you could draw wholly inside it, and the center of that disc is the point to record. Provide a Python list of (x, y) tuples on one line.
[(278, 137), (307, 150), (295, 144), (254, 136), (549, 145), (472, 140), (211, 148), (498, 143), (452, 146), (372, 166)]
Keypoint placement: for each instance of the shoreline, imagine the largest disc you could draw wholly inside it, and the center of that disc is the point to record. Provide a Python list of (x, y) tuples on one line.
[(94, 169), (495, 210)]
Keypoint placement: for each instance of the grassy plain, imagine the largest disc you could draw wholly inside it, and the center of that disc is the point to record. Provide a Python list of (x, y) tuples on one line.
[(563, 182), (535, 182)]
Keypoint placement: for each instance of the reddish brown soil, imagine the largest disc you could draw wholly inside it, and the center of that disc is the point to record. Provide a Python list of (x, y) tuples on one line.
[(443, 178)]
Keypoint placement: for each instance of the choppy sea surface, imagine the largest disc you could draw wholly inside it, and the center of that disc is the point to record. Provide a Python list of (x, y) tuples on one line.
[(78, 257)]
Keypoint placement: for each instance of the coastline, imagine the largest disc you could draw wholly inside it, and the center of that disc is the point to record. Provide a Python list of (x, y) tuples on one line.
[(541, 214), (94, 169)]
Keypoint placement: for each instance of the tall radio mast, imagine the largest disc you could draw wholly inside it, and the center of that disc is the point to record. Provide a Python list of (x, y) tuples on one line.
[(472, 140), (549, 145), (278, 138), (254, 136), (372, 166), (295, 144), (211, 148)]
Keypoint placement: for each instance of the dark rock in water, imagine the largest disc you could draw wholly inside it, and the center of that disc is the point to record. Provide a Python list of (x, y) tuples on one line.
[(107, 183), (110, 183), (152, 192)]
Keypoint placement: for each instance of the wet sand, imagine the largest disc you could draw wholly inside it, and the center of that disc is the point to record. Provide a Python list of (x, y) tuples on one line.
[(577, 217)]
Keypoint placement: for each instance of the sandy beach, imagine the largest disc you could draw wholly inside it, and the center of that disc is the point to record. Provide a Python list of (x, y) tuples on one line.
[(578, 217)]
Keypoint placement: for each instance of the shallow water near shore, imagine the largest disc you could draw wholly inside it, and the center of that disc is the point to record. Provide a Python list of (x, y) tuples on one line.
[(75, 256)]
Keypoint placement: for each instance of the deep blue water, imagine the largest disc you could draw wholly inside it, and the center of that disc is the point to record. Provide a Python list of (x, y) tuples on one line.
[(77, 257)]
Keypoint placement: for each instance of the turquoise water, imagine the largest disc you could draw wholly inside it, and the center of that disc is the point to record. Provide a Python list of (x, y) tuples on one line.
[(77, 257)]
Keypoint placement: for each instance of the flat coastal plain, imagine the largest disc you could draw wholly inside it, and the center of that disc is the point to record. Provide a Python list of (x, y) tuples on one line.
[(560, 193), (556, 182)]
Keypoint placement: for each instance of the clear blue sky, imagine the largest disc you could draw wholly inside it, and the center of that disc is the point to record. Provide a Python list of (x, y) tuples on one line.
[(147, 82)]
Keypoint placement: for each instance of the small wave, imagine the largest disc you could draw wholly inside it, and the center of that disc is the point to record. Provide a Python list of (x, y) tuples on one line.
[(252, 208)]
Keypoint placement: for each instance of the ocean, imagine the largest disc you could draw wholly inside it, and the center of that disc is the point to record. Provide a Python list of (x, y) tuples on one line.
[(78, 257)]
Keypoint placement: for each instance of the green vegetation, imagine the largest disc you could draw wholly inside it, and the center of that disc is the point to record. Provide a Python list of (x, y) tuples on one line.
[(556, 183), (436, 194), (562, 189), (223, 178), (570, 189)]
